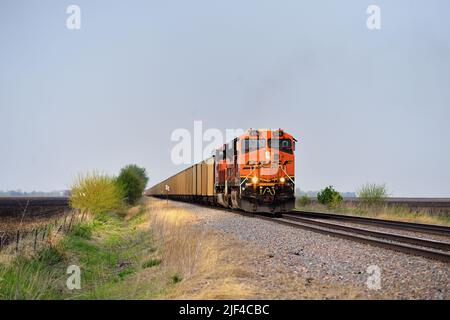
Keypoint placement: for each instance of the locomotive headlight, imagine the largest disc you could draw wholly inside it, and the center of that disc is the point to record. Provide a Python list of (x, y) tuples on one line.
[(282, 180), (255, 180)]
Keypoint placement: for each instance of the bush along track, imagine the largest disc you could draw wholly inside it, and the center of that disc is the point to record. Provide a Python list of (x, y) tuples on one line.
[(116, 256)]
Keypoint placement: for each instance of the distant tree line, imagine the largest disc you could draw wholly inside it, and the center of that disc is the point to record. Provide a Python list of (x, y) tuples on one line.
[(20, 193), (313, 194)]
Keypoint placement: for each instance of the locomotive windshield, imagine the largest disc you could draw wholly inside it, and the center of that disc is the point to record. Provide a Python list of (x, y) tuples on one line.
[(249, 145), (284, 145)]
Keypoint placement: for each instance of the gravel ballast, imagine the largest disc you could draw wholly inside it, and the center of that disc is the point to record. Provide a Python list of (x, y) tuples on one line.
[(333, 261)]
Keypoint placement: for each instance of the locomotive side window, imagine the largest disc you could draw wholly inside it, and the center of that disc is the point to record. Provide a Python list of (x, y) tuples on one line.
[(245, 145), (229, 152), (261, 143), (285, 143), (220, 155)]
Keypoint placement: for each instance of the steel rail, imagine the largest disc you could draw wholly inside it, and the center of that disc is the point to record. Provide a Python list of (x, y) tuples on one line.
[(440, 245), (400, 225), (400, 247)]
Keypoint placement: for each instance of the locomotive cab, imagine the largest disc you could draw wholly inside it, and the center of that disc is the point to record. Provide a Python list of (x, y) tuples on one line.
[(256, 173)]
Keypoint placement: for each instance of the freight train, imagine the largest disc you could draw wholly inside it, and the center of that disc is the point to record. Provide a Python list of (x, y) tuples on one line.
[(254, 172)]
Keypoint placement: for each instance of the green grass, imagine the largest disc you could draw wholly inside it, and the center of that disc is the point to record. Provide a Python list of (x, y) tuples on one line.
[(113, 254), (122, 274), (151, 263), (40, 277), (31, 279), (50, 256), (83, 231)]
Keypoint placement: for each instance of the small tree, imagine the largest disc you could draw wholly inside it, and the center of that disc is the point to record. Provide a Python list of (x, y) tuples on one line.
[(336, 200), (329, 197), (372, 193), (139, 171), (132, 180), (96, 193)]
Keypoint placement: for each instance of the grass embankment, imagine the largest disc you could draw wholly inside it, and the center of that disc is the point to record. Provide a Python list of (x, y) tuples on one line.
[(199, 257), (112, 251), (149, 252), (381, 211), (154, 251)]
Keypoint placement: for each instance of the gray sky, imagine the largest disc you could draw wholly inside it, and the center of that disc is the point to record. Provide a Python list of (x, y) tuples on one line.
[(366, 106)]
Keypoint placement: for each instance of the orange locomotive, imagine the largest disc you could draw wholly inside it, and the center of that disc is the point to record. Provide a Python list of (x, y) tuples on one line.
[(253, 172)]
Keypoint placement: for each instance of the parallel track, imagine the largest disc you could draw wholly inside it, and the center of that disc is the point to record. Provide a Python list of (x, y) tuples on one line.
[(412, 245), (400, 225), (376, 234), (432, 249)]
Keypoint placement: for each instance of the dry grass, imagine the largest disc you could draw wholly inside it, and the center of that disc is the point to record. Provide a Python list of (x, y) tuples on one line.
[(26, 249), (29, 222), (197, 256), (26, 246), (214, 265)]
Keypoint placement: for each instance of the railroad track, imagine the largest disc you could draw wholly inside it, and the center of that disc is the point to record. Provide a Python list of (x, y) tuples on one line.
[(400, 225), (437, 250)]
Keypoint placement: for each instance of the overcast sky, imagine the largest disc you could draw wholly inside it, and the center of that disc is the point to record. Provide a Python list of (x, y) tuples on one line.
[(366, 106)]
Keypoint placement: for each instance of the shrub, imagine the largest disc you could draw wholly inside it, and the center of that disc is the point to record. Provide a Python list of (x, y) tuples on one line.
[(132, 180), (176, 278), (304, 200), (96, 193), (336, 200), (329, 197), (372, 193)]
